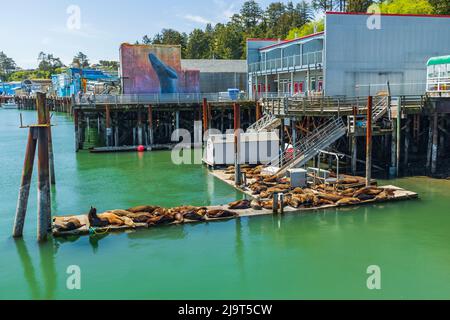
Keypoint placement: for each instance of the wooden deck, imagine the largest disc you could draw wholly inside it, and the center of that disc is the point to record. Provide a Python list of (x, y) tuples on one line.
[(399, 195)]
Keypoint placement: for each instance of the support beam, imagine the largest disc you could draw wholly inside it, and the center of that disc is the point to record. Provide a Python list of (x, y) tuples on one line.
[(140, 132), (109, 132), (237, 142), (77, 128), (354, 154), (50, 150), (205, 116), (369, 142), (44, 201), (434, 148), (24, 190), (150, 124)]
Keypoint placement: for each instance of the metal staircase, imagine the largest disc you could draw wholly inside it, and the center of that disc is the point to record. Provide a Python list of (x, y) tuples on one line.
[(308, 148), (380, 108), (266, 123)]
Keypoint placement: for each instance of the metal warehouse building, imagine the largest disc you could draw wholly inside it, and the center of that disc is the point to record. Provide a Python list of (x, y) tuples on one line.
[(219, 75), (352, 57)]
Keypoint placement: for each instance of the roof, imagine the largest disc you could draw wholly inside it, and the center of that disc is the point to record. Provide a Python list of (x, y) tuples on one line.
[(389, 14), (283, 42), (215, 65), (439, 60)]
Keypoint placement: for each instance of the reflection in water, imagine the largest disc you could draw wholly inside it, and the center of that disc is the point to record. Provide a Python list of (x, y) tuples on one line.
[(240, 247), (47, 256), (94, 240), (28, 269), (48, 270)]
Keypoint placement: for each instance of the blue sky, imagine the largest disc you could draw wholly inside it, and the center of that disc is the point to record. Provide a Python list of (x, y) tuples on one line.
[(34, 26)]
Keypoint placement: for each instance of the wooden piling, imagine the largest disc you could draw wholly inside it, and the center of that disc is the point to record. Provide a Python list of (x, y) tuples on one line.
[(369, 142), (237, 142), (77, 125), (139, 128), (108, 127), (398, 136), (205, 116), (44, 201), (50, 149), (434, 148), (258, 111), (150, 124), (24, 190)]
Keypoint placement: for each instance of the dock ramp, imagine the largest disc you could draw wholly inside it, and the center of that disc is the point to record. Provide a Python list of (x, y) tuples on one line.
[(308, 147)]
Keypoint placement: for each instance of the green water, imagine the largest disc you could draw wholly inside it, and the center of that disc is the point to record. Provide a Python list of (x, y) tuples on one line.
[(323, 255)]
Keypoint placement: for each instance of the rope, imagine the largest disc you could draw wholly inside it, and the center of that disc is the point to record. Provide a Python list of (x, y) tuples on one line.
[(93, 231)]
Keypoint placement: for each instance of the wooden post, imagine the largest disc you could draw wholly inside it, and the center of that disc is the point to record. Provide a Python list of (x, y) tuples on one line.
[(434, 148), (50, 150), (44, 201), (275, 203), (24, 191), (77, 125), (150, 124), (139, 128), (108, 127), (398, 136), (237, 142), (369, 142), (407, 138), (258, 111), (205, 116)]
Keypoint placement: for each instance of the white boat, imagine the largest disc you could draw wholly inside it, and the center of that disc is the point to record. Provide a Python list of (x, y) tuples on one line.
[(9, 105)]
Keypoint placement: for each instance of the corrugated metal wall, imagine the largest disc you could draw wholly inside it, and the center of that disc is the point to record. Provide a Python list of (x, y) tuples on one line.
[(222, 81), (359, 61)]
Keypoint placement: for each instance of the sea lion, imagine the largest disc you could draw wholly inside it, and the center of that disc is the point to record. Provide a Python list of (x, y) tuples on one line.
[(348, 201), (365, 197), (298, 191), (240, 205), (220, 214), (160, 220), (195, 215), (115, 220), (67, 224), (330, 197), (96, 221), (256, 205), (148, 209), (140, 217), (374, 191), (120, 213)]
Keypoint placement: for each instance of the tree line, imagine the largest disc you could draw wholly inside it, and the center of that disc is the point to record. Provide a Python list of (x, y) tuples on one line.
[(228, 40)]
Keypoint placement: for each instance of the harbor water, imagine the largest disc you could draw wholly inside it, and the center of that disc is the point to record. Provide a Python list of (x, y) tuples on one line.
[(321, 255)]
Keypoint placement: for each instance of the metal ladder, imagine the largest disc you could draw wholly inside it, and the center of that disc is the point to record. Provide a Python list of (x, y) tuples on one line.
[(309, 147), (380, 108), (266, 123)]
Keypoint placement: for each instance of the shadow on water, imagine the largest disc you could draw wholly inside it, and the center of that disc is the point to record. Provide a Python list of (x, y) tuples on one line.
[(47, 253)]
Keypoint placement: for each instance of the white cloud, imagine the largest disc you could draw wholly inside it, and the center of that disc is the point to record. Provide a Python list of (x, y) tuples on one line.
[(197, 19)]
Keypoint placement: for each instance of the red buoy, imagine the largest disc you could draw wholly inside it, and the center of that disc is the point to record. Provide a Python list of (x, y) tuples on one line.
[(141, 149)]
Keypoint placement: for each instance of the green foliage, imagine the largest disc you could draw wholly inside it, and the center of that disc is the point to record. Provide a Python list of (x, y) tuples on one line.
[(80, 61), (406, 7), (358, 5), (307, 29), (441, 6), (49, 64), (29, 74), (168, 37), (7, 66)]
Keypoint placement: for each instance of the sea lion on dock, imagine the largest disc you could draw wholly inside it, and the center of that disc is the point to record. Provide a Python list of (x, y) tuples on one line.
[(220, 214), (95, 221), (160, 220), (240, 205), (67, 224), (115, 220), (330, 196), (348, 201), (373, 191), (147, 209), (256, 205)]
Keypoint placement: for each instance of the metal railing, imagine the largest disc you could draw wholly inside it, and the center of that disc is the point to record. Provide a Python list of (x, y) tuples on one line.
[(135, 99), (268, 122), (301, 61), (309, 147)]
